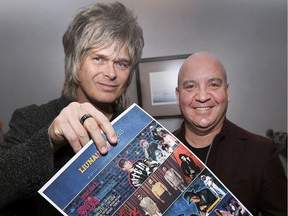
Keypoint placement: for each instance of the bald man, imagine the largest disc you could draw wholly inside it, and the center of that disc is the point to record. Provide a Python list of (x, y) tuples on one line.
[(248, 164)]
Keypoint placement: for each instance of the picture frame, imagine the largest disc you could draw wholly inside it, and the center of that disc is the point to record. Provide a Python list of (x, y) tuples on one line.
[(156, 80)]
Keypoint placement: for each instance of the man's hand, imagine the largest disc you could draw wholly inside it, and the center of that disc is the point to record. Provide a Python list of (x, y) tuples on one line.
[(67, 127)]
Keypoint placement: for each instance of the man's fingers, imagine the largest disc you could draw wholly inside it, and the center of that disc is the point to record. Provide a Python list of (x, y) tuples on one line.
[(82, 135), (73, 139), (105, 125), (95, 125), (78, 123)]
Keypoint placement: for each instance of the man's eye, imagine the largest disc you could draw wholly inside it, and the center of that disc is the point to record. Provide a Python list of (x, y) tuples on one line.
[(189, 86), (98, 59), (123, 65), (215, 85)]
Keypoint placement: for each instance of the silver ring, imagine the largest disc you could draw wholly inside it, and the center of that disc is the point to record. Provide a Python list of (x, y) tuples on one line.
[(84, 117)]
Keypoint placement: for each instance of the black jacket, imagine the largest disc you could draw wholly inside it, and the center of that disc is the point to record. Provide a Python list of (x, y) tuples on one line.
[(249, 166), (27, 160)]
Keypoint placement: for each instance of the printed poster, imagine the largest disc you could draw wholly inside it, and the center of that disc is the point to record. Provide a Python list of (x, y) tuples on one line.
[(149, 172)]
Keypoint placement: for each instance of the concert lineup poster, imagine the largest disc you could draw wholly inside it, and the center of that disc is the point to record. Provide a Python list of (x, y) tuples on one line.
[(148, 172)]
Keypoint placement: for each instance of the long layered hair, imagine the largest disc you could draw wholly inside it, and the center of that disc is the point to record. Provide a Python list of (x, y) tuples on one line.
[(97, 26)]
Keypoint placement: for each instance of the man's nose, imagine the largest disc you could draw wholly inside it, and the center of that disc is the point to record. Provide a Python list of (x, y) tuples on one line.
[(202, 94), (109, 70)]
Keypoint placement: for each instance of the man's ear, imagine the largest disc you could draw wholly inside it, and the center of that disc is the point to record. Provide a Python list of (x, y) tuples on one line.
[(177, 94), (228, 92)]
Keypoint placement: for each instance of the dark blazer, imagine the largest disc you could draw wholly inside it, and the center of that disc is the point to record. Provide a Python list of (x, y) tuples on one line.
[(27, 160), (249, 166)]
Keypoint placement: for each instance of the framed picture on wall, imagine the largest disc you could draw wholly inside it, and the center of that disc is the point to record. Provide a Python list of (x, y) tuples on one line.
[(156, 82)]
